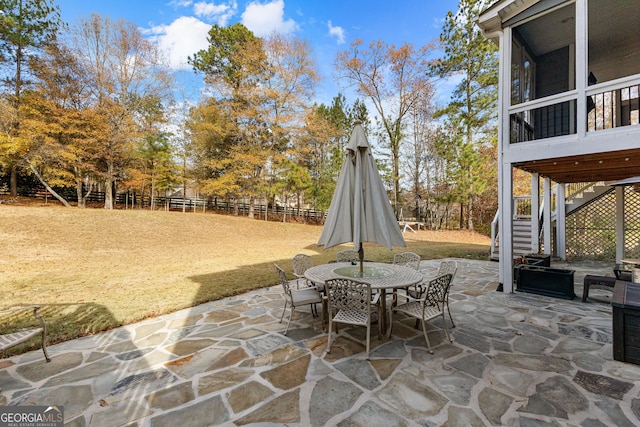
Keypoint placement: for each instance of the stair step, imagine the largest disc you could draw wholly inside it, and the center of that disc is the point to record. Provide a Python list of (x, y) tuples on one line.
[(521, 227)]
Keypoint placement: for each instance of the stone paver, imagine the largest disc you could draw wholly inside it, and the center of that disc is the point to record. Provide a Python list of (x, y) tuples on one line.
[(515, 360)]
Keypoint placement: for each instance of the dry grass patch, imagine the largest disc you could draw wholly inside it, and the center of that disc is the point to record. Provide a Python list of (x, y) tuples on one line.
[(95, 269)]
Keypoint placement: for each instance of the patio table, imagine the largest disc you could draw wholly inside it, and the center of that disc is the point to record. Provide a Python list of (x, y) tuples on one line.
[(379, 275)]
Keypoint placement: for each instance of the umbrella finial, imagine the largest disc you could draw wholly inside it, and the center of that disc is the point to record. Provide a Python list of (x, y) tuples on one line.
[(357, 122)]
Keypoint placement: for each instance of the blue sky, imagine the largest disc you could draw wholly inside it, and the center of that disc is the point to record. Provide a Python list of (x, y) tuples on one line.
[(180, 26)]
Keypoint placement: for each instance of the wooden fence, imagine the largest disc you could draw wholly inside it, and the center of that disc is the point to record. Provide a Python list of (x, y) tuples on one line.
[(129, 201)]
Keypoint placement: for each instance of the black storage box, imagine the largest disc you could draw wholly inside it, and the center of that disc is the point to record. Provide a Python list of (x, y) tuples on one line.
[(538, 259), (553, 282), (626, 322)]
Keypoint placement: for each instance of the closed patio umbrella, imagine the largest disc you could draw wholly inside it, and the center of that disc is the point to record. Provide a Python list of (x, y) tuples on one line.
[(360, 210)]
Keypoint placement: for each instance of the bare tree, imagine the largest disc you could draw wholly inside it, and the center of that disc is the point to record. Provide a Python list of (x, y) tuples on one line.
[(126, 71), (288, 93), (393, 79), (420, 131)]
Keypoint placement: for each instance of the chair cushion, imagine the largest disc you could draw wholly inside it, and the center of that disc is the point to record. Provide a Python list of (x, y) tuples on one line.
[(305, 296)]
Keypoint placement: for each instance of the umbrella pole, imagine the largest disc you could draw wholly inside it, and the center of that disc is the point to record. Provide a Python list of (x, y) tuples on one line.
[(361, 256)]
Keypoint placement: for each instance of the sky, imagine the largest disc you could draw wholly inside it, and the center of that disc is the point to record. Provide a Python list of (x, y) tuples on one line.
[(180, 26)]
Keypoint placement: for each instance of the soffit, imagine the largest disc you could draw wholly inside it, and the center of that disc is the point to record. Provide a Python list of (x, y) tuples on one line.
[(609, 166)]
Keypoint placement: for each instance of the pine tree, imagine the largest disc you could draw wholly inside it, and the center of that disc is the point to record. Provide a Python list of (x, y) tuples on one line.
[(26, 27), (473, 107)]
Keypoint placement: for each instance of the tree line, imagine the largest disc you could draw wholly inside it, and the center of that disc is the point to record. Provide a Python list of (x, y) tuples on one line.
[(93, 107)]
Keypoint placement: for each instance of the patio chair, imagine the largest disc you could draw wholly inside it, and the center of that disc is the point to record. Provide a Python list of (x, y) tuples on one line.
[(406, 259), (347, 256), (12, 339), (296, 298), (445, 267), (301, 263), (427, 308), (350, 302)]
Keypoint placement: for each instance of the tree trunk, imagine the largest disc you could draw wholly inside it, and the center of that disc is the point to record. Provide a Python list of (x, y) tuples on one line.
[(81, 200), (86, 196), (252, 202), (49, 189), (184, 196), (396, 179), (13, 180), (108, 187), (284, 209), (152, 194)]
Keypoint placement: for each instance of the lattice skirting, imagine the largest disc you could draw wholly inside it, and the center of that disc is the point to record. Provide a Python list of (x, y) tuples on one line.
[(591, 230)]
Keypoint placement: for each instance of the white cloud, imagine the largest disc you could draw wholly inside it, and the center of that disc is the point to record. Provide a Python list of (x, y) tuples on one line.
[(187, 35), (337, 32), (180, 39), (218, 13), (263, 19), (180, 3)]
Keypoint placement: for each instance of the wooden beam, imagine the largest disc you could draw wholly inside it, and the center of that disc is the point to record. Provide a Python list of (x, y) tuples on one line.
[(607, 166)]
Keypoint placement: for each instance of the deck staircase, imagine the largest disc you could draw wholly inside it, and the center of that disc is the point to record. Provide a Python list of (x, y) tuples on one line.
[(582, 194), (577, 195)]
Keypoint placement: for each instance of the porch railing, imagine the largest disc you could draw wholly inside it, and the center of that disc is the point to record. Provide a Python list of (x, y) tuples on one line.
[(546, 117), (611, 104), (614, 105)]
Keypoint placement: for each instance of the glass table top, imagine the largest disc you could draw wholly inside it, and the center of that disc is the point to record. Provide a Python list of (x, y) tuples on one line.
[(367, 271)]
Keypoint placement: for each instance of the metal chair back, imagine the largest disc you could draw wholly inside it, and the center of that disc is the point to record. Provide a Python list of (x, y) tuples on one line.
[(407, 259), (347, 256)]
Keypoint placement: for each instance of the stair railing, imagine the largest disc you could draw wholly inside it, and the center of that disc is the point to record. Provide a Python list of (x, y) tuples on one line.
[(576, 190), (495, 238), (521, 209)]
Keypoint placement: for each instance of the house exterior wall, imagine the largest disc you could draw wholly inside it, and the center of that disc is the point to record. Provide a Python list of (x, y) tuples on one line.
[(553, 70), (557, 84)]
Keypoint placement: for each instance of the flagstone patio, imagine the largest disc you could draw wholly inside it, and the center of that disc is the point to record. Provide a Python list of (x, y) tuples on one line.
[(515, 360)]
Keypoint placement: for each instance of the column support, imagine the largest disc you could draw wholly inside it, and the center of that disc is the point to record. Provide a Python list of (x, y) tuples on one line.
[(546, 222), (535, 213), (561, 220), (620, 223)]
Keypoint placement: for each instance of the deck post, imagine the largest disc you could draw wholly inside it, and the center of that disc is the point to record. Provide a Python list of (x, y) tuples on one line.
[(620, 223), (535, 213), (546, 232), (561, 221)]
